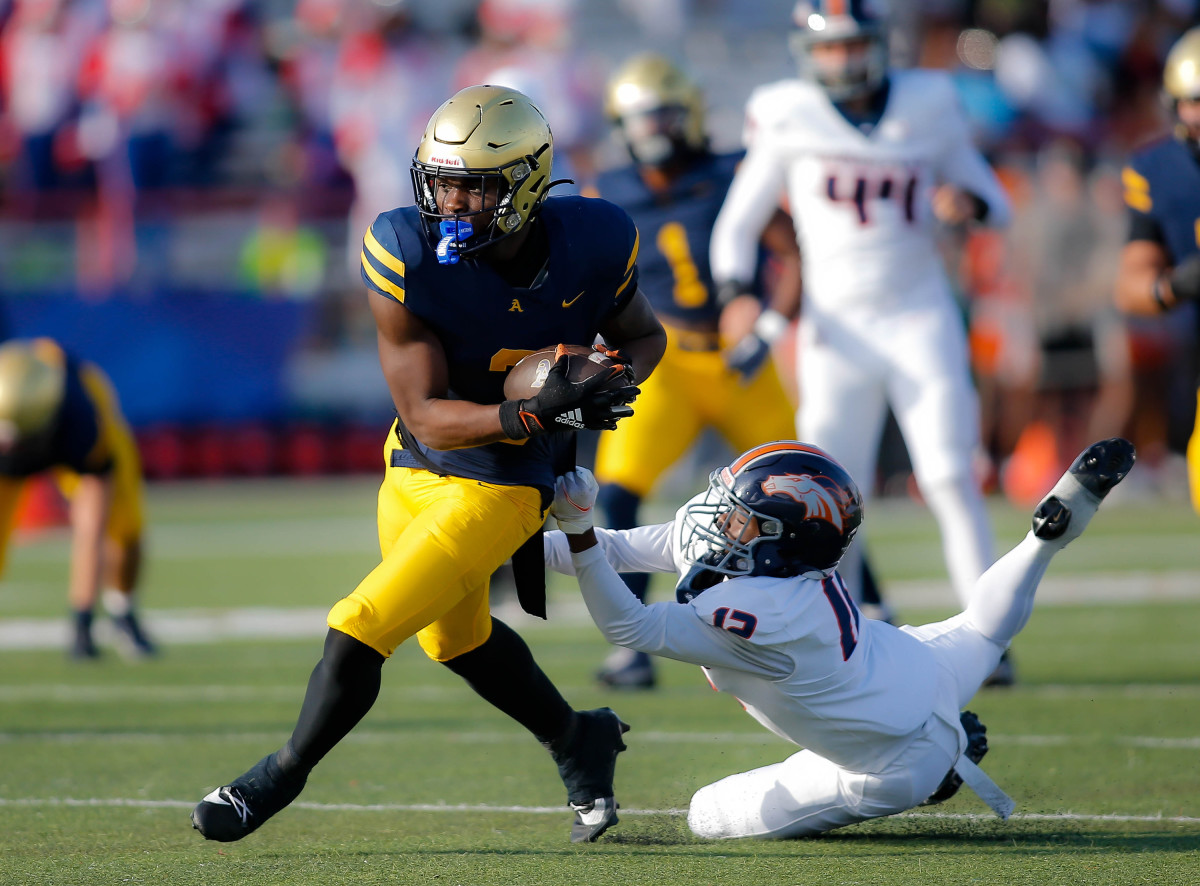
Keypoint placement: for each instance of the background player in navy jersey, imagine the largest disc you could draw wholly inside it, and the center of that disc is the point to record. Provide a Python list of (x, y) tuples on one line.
[(482, 271), (1160, 264), (673, 190), (60, 415)]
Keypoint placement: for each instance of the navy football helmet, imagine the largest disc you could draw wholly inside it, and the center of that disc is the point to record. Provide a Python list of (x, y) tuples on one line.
[(841, 21), (781, 509)]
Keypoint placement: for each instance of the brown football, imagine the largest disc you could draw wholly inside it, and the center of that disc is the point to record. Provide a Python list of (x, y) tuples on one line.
[(526, 378)]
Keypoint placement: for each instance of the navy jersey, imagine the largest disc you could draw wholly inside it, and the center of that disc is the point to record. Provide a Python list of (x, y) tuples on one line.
[(486, 325), (72, 440), (677, 225), (1162, 191)]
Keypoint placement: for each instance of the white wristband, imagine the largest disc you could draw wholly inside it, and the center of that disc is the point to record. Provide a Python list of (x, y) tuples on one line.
[(770, 325)]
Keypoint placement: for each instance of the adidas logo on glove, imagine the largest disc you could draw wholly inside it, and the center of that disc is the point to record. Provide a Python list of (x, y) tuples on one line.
[(574, 418)]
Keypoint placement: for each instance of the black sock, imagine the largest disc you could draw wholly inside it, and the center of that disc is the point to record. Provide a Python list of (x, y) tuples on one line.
[(342, 688), (504, 673), (83, 620), (620, 508)]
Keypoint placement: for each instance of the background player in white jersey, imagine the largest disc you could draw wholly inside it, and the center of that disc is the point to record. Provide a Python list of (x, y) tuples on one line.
[(870, 159), (762, 609)]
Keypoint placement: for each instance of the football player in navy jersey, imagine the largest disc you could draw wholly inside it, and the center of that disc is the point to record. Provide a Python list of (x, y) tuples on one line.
[(60, 415), (673, 190), (483, 270), (1160, 264)]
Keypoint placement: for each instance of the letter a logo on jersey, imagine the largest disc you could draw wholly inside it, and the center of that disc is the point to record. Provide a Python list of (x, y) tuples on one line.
[(822, 502), (516, 306)]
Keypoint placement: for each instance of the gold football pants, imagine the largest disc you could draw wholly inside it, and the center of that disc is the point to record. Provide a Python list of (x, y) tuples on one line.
[(1193, 458), (688, 392), (440, 538)]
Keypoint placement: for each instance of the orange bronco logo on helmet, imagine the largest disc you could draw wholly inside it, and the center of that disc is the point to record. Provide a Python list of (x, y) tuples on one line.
[(822, 502)]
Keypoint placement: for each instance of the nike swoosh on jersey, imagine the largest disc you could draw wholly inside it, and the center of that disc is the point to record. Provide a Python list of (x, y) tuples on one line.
[(567, 304)]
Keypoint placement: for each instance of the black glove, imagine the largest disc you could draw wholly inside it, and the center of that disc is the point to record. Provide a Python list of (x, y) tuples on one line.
[(1185, 279), (564, 405), (748, 355)]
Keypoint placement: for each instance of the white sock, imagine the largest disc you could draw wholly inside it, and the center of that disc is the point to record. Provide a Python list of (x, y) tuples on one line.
[(117, 603), (1081, 503)]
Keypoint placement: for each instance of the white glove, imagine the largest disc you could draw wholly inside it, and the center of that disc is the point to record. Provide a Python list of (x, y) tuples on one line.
[(574, 497)]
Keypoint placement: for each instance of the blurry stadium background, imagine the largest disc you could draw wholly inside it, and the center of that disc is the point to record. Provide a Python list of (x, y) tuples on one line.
[(185, 186)]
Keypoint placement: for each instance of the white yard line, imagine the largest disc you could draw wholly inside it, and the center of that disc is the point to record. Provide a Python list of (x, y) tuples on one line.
[(189, 626), (41, 802)]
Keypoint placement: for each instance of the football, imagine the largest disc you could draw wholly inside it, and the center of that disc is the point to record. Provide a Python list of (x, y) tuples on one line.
[(526, 378)]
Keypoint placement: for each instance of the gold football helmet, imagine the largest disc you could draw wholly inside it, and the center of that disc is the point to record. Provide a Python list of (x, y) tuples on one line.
[(1181, 73), (494, 134), (32, 383), (659, 109)]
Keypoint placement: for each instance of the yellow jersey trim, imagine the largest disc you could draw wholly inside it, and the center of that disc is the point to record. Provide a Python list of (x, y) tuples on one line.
[(385, 258), (1137, 190), (397, 292)]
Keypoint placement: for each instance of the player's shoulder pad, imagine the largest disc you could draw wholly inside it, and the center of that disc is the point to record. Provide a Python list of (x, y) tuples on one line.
[(604, 225), (382, 257), (752, 608), (774, 104), (1149, 154)]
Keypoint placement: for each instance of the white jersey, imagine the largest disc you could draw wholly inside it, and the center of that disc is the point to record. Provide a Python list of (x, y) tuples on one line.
[(860, 200), (795, 652)]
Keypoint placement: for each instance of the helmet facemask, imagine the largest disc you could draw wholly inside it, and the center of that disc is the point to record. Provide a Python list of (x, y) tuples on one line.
[(465, 233), (658, 136), (658, 109), (719, 529)]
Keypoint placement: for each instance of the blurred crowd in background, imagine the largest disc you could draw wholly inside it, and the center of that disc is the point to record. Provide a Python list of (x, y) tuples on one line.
[(185, 185)]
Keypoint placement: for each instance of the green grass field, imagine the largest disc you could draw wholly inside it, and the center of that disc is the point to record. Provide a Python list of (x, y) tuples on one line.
[(101, 763)]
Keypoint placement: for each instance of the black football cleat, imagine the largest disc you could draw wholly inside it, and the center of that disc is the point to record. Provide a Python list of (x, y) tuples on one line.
[(1097, 470), (627, 669), (134, 641), (1051, 518), (977, 746), (1103, 465), (587, 761), (83, 647), (238, 809)]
